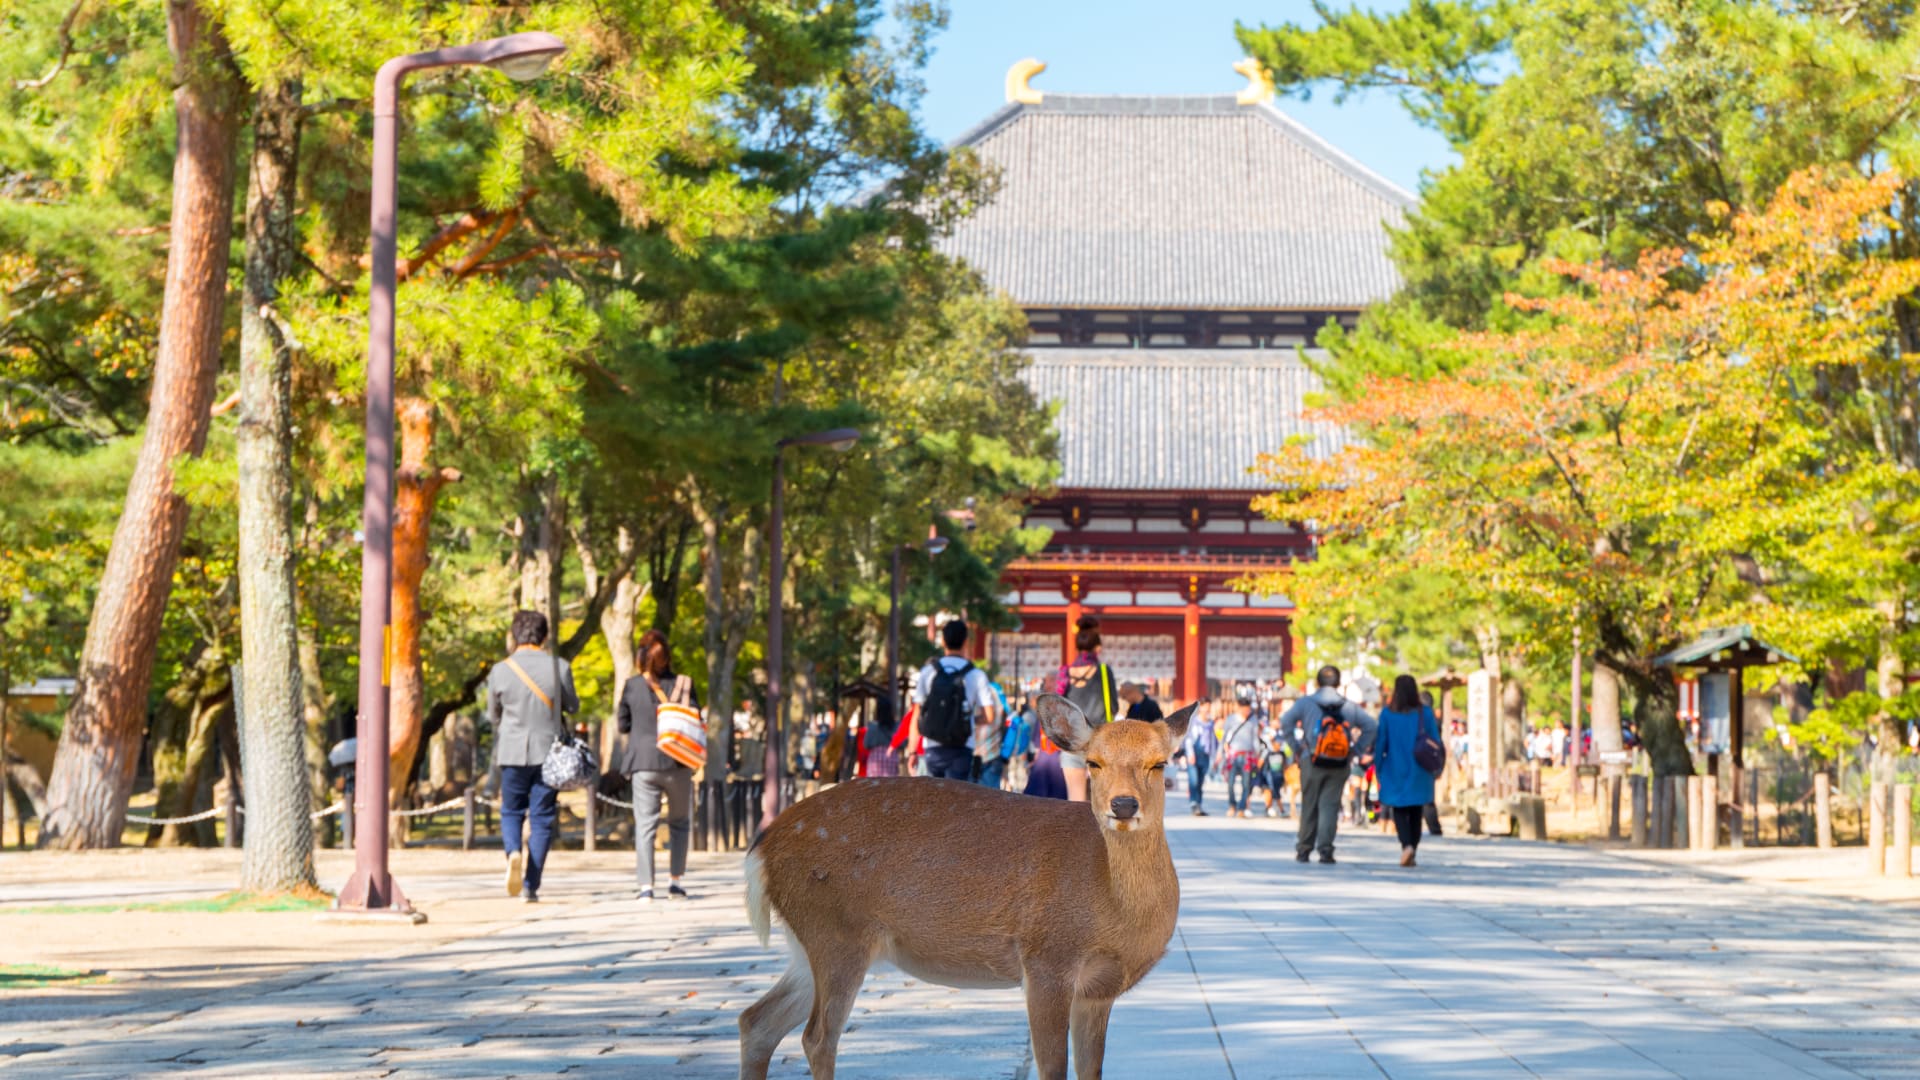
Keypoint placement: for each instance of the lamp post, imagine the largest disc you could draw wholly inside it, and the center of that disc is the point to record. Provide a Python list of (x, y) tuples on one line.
[(934, 544), (519, 57), (838, 440)]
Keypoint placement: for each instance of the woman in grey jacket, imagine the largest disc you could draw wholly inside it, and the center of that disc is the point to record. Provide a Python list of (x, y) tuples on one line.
[(655, 775)]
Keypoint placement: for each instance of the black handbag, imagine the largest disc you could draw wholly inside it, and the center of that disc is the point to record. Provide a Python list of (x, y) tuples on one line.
[(1428, 752)]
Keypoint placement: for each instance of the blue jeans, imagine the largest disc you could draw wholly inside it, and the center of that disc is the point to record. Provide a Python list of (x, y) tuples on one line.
[(949, 762), (523, 795), (1239, 782), (991, 770), (1196, 775)]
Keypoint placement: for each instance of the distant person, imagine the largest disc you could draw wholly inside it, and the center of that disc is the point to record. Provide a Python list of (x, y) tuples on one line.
[(1089, 683), (955, 702), (1140, 706), (1406, 789), (527, 693), (1337, 735), (1240, 750), (1016, 746), (882, 758), (1432, 811), (656, 776), (1198, 748)]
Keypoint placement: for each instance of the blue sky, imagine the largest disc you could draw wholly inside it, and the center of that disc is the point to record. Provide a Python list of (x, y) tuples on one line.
[(1150, 47)]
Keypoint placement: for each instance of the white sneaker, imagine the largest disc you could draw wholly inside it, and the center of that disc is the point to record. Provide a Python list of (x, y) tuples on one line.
[(516, 871)]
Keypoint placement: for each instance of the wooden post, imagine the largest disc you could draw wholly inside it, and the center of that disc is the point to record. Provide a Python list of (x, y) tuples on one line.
[(1737, 812), (346, 825), (593, 817), (1753, 801), (232, 839), (466, 820), (1709, 811), (1694, 829), (1900, 858), (1823, 809), (1640, 810), (1662, 822), (1613, 807), (1876, 828)]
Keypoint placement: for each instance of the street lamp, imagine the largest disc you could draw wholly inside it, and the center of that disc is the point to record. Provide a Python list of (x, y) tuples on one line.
[(839, 440), (519, 57), (934, 544)]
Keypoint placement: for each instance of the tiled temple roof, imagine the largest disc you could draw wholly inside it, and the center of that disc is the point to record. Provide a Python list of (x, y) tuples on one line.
[(1175, 419), (1176, 203)]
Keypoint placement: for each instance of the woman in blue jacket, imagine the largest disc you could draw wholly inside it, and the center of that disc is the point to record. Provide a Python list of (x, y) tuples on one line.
[(1404, 785)]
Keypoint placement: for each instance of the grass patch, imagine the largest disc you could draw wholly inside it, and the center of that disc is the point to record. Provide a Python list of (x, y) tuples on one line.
[(40, 976), (224, 904)]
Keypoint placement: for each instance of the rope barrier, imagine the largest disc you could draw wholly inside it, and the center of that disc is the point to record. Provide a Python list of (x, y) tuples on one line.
[(611, 801), (434, 809), (336, 808), (188, 820)]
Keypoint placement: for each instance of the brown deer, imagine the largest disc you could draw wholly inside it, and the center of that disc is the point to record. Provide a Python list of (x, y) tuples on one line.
[(1076, 911)]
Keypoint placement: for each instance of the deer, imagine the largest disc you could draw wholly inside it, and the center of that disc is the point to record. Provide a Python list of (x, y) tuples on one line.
[(894, 869)]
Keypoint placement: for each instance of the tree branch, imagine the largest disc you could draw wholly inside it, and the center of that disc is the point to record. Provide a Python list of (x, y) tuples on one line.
[(66, 51)]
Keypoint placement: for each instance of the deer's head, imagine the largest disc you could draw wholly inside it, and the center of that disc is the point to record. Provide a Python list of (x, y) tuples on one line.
[(1126, 760)]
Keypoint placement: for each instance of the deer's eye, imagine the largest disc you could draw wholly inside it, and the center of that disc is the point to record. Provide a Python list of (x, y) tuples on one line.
[(1093, 765)]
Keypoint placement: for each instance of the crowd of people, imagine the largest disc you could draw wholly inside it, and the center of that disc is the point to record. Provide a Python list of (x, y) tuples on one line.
[(1322, 759)]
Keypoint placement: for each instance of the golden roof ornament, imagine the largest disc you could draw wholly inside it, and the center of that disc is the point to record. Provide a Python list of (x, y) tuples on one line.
[(1259, 88), (1019, 76)]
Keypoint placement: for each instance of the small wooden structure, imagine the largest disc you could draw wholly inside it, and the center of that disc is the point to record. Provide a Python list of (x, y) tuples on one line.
[(841, 753), (1731, 649)]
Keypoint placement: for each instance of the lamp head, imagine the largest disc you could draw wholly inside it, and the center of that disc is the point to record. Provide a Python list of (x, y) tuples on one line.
[(527, 56), (936, 544)]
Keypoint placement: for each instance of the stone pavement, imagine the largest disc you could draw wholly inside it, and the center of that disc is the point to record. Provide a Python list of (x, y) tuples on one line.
[(1492, 959)]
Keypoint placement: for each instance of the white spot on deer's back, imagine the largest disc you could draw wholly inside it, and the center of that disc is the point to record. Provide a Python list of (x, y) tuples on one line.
[(821, 833)]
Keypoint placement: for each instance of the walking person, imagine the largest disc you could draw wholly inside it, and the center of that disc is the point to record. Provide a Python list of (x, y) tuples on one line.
[(1140, 706), (1338, 735), (1198, 748), (656, 776), (1241, 747), (527, 694), (1090, 685), (1406, 788), (954, 703)]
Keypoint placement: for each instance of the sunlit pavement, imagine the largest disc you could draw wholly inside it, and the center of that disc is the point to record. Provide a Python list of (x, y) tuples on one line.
[(1491, 959)]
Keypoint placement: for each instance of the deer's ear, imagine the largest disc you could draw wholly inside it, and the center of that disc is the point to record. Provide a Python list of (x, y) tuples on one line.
[(1176, 724), (1063, 722)]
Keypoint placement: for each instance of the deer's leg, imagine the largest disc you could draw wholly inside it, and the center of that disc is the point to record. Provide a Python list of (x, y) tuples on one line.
[(1049, 1010), (767, 1021), (1090, 1036), (837, 975)]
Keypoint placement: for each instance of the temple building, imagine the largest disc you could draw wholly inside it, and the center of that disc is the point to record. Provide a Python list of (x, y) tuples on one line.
[(1173, 256)]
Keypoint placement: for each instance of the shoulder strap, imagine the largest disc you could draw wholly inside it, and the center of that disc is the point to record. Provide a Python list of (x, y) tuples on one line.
[(531, 685), (1106, 692)]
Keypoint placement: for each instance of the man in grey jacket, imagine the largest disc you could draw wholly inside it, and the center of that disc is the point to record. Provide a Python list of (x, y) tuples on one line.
[(527, 694), (1323, 777)]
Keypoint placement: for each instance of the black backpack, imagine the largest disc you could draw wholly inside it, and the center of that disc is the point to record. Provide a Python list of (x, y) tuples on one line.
[(944, 716)]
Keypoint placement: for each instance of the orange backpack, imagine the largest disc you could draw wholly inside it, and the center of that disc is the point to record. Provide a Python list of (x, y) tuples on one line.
[(1334, 745)]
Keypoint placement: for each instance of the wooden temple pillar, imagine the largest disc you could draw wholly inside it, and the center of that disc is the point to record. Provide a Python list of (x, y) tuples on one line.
[(1067, 650), (1192, 670)]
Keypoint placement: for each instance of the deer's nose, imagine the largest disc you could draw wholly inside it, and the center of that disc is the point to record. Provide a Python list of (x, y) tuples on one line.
[(1125, 806)]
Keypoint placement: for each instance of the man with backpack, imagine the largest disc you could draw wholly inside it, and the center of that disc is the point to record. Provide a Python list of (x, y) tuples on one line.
[(1339, 734), (956, 707)]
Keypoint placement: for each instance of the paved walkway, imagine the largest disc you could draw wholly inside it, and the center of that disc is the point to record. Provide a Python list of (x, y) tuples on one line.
[(1493, 959)]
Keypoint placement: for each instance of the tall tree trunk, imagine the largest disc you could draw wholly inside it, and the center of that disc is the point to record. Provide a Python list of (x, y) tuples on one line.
[(616, 627), (543, 534), (100, 746), (418, 488), (279, 834), (1656, 717), (1508, 743), (1890, 673), (185, 742), (665, 564), (730, 610), (314, 701)]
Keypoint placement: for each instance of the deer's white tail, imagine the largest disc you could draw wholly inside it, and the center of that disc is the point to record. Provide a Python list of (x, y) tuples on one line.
[(759, 913)]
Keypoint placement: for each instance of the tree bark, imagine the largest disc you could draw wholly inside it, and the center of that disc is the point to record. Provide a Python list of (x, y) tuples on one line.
[(665, 564), (1656, 718), (418, 488), (616, 626), (279, 834), (730, 609), (185, 737), (543, 532), (1890, 673), (100, 746)]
